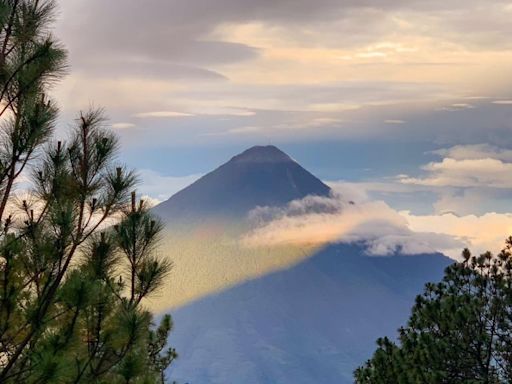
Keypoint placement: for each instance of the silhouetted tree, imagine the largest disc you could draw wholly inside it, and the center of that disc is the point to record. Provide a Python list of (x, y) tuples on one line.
[(72, 283), (460, 330)]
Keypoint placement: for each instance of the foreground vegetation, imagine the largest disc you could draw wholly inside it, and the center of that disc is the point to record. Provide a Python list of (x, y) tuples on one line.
[(71, 283), (460, 330)]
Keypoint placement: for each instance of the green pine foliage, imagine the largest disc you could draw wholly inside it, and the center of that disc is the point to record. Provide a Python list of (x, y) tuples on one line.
[(78, 253), (460, 330)]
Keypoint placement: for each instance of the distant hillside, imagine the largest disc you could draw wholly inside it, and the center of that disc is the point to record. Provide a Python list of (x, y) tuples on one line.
[(313, 323), (260, 176)]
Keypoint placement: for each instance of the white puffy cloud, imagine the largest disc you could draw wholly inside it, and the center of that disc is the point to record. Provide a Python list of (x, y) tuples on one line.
[(384, 230), (466, 166), (320, 220), (475, 152), (479, 232), (469, 179), (486, 172)]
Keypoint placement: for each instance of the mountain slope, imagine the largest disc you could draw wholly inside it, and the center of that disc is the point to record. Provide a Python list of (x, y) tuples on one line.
[(313, 323), (301, 318), (260, 176)]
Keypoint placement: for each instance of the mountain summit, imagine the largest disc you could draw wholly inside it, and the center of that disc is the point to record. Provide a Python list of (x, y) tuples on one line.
[(259, 176), (262, 154)]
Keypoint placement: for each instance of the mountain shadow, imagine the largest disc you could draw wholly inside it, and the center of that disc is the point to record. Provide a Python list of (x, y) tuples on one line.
[(313, 323)]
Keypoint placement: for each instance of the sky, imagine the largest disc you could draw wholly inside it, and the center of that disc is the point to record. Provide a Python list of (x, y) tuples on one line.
[(405, 103)]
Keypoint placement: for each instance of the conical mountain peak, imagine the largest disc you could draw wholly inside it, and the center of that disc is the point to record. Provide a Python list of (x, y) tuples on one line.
[(262, 154), (259, 176)]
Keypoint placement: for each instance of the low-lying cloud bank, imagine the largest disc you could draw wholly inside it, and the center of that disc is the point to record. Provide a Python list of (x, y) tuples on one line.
[(385, 231), (319, 220)]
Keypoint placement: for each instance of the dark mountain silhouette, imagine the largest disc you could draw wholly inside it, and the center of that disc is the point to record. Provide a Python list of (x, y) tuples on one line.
[(260, 176), (313, 323)]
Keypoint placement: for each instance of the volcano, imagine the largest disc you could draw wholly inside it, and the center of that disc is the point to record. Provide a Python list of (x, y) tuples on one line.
[(259, 176), (276, 314)]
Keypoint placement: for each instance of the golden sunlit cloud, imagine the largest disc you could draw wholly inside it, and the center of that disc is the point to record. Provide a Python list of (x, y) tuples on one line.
[(480, 233), (320, 221)]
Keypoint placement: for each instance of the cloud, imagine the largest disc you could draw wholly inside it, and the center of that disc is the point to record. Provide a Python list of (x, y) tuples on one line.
[(471, 23), (469, 179), (466, 166), (384, 230), (394, 121), (479, 232), (102, 68), (244, 130), (465, 173), (167, 31), (254, 43), (320, 220), (248, 130), (458, 107), (162, 114), (224, 111), (470, 201), (291, 72), (502, 102), (475, 152), (123, 125), (217, 111)]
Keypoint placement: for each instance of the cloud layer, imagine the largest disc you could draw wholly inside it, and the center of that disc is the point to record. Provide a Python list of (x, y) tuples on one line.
[(318, 221), (384, 230), (393, 75), (343, 69), (465, 173)]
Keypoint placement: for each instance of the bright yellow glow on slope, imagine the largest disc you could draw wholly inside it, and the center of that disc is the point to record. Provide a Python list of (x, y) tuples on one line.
[(208, 263)]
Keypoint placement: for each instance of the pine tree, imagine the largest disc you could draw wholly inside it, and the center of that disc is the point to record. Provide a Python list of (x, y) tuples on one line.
[(77, 252), (460, 330)]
